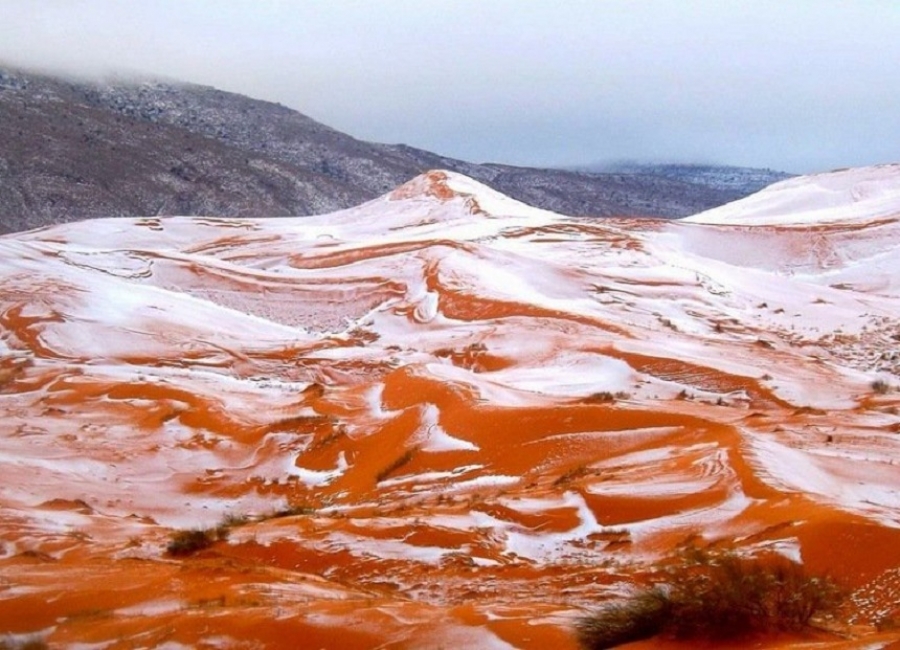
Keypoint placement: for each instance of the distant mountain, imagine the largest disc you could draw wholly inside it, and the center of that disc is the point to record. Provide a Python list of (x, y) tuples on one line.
[(726, 178), (74, 150)]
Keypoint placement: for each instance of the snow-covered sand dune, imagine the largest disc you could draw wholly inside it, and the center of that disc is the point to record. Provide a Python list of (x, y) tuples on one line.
[(447, 417), (862, 194)]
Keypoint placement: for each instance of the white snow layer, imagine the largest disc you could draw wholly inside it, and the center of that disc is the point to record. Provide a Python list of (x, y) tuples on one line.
[(863, 193)]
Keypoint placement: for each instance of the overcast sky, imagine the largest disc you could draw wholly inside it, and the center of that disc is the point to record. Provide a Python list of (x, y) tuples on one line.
[(798, 85)]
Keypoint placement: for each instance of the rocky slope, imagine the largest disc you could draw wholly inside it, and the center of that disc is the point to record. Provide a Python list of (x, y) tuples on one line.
[(74, 150), (441, 419), (741, 180)]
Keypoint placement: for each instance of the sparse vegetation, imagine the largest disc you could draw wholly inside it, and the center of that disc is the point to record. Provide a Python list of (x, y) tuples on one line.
[(337, 433), (606, 397), (715, 598), (642, 617), (471, 357), (233, 520), (570, 475), (289, 511), (395, 465), (188, 542), (668, 323), (880, 386)]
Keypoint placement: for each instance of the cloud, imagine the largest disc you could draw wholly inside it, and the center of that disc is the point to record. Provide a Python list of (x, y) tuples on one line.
[(805, 85)]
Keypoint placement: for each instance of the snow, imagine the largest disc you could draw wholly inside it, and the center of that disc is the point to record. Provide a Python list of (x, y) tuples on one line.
[(489, 387), (712, 520), (871, 489), (525, 543), (390, 549), (152, 608), (461, 637), (492, 201), (315, 478), (569, 373), (488, 480), (432, 437), (859, 194), (430, 477)]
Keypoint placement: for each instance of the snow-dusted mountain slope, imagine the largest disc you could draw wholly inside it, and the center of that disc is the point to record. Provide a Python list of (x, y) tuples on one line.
[(73, 149), (442, 418), (742, 180)]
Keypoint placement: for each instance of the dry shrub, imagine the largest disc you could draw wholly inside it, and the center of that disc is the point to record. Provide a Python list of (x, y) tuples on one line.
[(188, 542), (715, 598), (396, 464), (642, 617), (289, 511), (732, 596)]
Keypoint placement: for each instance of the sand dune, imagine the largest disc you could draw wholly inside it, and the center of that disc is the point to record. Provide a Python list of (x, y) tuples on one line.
[(443, 418)]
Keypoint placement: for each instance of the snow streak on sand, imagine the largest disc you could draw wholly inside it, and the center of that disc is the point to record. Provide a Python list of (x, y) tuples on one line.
[(442, 418)]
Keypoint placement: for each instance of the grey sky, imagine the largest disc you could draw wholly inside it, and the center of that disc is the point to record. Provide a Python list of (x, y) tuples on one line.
[(800, 85)]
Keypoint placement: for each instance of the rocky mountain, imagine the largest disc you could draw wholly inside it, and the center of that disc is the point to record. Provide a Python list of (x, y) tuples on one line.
[(74, 150), (741, 180), (446, 419)]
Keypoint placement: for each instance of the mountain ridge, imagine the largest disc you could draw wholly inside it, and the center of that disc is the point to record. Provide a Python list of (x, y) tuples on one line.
[(76, 149), (725, 177)]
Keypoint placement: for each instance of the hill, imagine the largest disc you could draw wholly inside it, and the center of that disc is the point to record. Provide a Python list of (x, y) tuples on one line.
[(742, 180), (861, 195), (76, 150)]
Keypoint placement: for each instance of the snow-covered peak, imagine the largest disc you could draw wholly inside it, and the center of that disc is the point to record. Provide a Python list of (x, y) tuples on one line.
[(445, 186), (857, 194)]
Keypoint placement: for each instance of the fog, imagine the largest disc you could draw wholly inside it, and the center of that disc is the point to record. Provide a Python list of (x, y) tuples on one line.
[(802, 86)]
